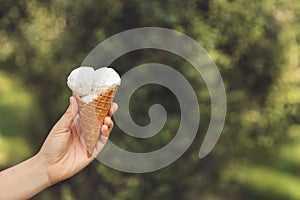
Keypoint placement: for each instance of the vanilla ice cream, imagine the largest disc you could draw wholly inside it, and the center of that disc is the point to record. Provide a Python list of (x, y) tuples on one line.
[(89, 84), (79, 80), (105, 78)]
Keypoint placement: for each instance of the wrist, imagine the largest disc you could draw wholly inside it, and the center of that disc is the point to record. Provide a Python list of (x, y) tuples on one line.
[(24, 180), (38, 164)]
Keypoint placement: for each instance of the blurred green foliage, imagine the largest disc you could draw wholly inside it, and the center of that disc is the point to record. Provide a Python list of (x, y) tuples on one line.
[(255, 45)]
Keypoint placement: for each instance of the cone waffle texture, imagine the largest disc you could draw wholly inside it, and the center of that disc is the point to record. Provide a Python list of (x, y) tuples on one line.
[(92, 115)]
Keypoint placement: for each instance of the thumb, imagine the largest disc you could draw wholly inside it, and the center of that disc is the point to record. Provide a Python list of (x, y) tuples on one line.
[(67, 119)]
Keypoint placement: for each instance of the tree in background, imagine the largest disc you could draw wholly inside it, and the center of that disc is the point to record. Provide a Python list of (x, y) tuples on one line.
[(255, 46)]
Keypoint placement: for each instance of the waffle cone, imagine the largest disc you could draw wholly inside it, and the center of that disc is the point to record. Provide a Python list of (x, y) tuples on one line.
[(92, 115)]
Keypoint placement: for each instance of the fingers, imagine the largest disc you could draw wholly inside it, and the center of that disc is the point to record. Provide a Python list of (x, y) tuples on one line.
[(66, 120), (74, 105), (100, 144), (107, 126), (108, 123), (113, 109), (105, 130)]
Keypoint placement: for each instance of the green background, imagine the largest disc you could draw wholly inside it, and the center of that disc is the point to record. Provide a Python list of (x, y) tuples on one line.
[(255, 45)]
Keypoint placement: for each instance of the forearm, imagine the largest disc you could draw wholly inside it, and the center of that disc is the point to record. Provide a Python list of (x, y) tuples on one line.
[(23, 180)]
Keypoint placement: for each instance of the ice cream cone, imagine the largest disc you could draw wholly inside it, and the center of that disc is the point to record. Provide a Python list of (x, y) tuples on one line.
[(92, 115)]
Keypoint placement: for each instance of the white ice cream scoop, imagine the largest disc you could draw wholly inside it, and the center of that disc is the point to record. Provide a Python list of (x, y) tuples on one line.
[(89, 84), (105, 78), (79, 80)]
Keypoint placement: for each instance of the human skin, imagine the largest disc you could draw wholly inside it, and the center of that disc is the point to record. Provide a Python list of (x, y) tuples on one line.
[(62, 155)]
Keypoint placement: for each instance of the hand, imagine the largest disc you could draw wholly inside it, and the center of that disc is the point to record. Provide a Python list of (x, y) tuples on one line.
[(63, 153), (61, 156)]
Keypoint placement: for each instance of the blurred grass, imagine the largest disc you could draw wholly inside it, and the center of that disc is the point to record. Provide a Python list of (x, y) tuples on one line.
[(268, 183), (290, 153), (15, 104)]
